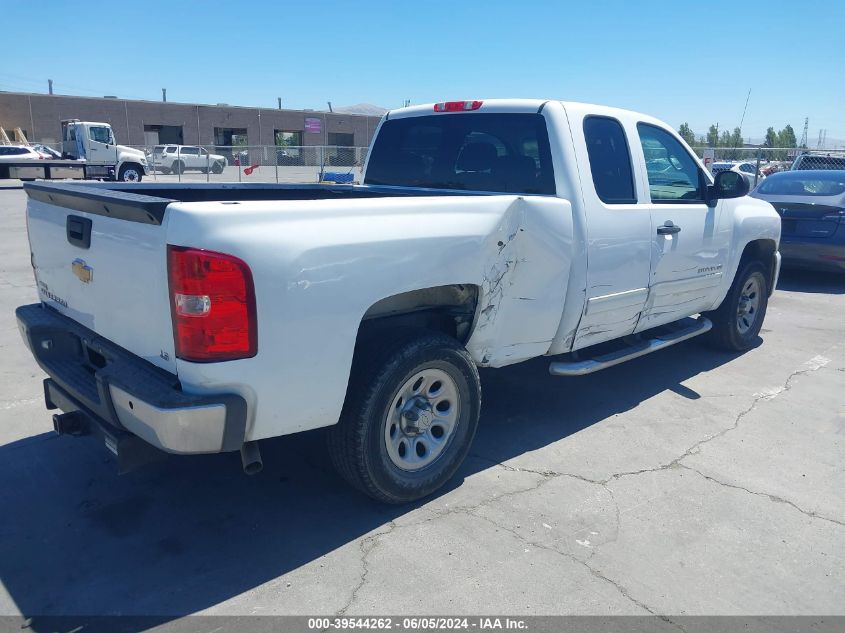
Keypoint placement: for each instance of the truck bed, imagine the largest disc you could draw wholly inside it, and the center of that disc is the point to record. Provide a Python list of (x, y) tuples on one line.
[(146, 202)]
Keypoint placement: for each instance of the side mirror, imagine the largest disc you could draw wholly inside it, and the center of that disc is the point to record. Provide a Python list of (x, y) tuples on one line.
[(728, 184)]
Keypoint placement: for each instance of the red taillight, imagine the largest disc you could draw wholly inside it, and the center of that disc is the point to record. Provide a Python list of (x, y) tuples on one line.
[(457, 106), (212, 302)]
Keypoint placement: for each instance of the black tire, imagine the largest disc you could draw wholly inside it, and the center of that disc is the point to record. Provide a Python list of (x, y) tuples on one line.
[(130, 173), (178, 167), (217, 168), (357, 444), (732, 331)]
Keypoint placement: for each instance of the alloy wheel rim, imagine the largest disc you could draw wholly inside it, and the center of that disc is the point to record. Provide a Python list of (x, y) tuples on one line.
[(422, 419)]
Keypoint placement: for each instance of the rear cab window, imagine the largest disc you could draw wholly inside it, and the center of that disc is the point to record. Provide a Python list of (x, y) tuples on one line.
[(503, 153), (798, 183), (610, 160)]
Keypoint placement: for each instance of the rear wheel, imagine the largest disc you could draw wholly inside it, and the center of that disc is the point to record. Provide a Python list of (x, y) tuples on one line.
[(410, 415), (737, 321)]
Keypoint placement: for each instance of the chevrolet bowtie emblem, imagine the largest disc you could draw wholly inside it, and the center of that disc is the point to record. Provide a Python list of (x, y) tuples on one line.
[(82, 270)]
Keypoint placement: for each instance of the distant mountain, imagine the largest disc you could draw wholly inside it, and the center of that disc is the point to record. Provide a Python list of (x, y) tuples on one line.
[(362, 108)]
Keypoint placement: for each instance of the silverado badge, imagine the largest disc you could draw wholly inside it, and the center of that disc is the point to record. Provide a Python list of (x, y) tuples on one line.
[(82, 270)]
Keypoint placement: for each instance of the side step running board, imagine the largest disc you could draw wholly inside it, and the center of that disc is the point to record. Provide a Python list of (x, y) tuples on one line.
[(687, 329)]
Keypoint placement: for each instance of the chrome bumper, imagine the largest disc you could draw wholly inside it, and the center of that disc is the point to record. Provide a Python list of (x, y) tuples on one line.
[(107, 385)]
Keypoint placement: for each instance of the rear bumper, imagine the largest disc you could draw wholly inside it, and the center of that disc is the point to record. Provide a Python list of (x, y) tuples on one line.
[(816, 255), (117, 391)]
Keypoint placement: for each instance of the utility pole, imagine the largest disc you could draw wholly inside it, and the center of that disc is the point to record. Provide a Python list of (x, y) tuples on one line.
[(803, 142), (330, 106), (50, 86), (280, 102), (164, 95)]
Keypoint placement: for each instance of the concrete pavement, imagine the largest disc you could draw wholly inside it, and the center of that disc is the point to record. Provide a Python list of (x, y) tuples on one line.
[(686, 482)]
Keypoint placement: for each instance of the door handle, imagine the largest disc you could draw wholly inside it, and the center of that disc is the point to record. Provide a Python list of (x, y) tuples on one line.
[(668, 228)]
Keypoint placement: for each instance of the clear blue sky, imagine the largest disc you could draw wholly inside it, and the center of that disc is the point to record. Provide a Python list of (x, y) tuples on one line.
[(679, 61)]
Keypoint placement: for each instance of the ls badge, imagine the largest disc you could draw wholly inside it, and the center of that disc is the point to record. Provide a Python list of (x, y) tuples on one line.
[(82, 270)]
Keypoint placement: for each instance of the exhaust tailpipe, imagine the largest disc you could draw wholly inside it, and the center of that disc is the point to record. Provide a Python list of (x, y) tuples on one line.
[(68, 423), (251, 458)]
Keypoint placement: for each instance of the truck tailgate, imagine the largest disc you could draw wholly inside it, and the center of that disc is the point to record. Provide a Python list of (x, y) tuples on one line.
[(99, 257)]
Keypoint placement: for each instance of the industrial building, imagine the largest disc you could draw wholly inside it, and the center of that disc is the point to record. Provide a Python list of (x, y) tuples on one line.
[(147, 123)]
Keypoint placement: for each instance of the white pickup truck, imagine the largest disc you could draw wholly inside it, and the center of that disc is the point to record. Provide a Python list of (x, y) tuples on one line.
[(204, 318)]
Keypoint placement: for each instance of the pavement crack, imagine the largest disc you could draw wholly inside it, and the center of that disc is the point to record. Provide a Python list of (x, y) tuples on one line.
[(549, 474), (814, 364), (367, 545), (596, 573), (770, 497)]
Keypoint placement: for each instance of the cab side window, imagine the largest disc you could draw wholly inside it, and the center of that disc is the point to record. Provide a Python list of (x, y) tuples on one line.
[(610, 160), (100, 134), (673, 175)]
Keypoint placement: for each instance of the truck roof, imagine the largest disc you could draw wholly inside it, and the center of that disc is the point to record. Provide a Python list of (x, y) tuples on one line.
[(85, 122), (516, 105)]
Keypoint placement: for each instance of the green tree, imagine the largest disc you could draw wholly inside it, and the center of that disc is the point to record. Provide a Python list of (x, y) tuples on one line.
[(687, 134), (771, 138), (713, 136), (786, 137)]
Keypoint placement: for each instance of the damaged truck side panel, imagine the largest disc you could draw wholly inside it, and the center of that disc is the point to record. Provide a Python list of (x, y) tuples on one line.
[(325, 275)]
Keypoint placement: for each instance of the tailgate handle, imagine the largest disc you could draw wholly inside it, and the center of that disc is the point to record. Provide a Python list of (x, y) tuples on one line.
[(79, 231)]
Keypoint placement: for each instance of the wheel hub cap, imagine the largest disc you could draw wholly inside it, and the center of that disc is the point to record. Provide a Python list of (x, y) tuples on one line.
[(749, 303), (416, 416), (422, 419)]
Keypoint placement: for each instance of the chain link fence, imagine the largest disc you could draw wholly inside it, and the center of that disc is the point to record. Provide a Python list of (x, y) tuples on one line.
[(245, 163), (257, 163), (757, 163)]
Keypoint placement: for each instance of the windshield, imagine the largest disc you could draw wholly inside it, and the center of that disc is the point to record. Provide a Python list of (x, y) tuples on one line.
[(506, 153), (805, 184)]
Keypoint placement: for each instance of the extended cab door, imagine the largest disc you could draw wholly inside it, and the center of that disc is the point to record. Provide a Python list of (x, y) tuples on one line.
[(618, 226), (689, 240), (100, 143)]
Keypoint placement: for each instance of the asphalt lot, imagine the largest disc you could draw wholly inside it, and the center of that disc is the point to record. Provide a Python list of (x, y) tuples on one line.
[(686, 482)]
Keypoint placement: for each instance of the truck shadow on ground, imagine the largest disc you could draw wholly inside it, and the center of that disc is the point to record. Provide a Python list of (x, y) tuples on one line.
[(185, 534)]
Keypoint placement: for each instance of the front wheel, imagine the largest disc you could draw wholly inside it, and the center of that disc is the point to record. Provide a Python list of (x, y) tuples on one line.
[(737, 321), (410, 415), (130, 173), (217, 168)]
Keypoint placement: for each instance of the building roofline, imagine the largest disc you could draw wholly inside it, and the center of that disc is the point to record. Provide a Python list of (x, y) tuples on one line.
[(185, 104)]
